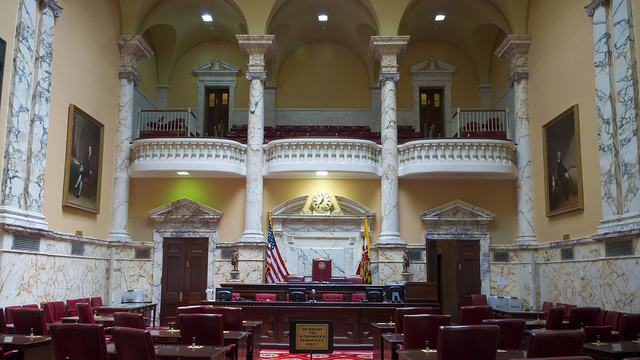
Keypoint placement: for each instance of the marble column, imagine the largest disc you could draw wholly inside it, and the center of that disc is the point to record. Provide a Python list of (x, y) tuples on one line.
[(387, 50), (515, 48), (162, 95), (25, 152), (616, 75), (257, 48), (132, 49)]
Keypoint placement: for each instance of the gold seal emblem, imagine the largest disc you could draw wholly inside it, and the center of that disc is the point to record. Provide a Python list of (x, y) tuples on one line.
[(322, 265)]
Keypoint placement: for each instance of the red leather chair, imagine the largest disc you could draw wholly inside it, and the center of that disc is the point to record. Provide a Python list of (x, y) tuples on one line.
[(266, 297), (31, 306), (294, 277), (191, 309), (591, 333), (555, 343), (3, 325), (48, 312), (333, 297), (7, 312), (546, 306), (205, 328), (511, 332), (420, 328), (85, 313), (612, 318), (401, 312), (555, 316), (96, 301), (71, 306), (231, 317), (584, 316), (78, 341), (478, 299), (567, 311), (129, 320), (26, 319), (629, 327), (235, 296), (478, 342), (473, 315), (357, 297), (355, 279), (59, 311), (133, 344), (11, 354)]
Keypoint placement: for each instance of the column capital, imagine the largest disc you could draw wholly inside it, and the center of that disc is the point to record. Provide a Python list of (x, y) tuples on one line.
[(132, 48), (595, 4), (387, 50), (53, 6), (257, 48), (515, 48), (256, 75)]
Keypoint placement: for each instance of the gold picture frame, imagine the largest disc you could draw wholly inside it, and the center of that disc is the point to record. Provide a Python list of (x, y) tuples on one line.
[(563, 163), (83, 164)]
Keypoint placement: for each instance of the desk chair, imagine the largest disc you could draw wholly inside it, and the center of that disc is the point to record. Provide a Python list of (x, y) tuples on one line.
[(96, 301), (294, 277), (629, 327), (584, 316), (266, 297), (31, 306), (71, 306), (401, 312), (546, 305), (420, 328), (333, 297), (78, 341), (555, 316), (48, 312), (567, 311), (3, 325), (511, 332), (206, 329), (473, 315), (7, 312), (355, 279), (190, 309), (231, 317), (591, 333), (357, 297), (133, 344), (26, 319), (612, 318), (478, 299), (9, 354), (59, 311), (478, 342), (129, 320), (555, 343)]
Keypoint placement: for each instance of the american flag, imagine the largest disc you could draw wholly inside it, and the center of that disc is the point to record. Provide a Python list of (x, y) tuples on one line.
[(276, 268)]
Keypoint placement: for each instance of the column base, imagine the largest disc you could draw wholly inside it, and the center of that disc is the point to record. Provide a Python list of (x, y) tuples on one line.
[(619, 223), (252, 237), (119, 237), (390, 238), (525, 240), (13, 216)]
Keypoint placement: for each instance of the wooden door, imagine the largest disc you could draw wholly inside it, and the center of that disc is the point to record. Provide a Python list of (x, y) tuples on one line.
[(217, 112), (184, 275), (468, 262), (431, 114)]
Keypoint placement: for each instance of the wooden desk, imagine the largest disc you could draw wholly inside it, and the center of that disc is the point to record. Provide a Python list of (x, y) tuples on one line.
[(432, 355), (503, 313), (391, 342), (130, 307), (104, 320), (36, 348), (179, 351), (612, 350), (378, 345), (255, 328), (238, 338)]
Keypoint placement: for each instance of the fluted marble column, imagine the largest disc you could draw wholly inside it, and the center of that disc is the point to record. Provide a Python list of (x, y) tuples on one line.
[(515, 48), (257, 48), (387, 50), (132, 49), (617, 100), (28, 120)]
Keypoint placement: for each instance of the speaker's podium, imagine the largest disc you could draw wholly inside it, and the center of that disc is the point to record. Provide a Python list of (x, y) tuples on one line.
[(321, 270)]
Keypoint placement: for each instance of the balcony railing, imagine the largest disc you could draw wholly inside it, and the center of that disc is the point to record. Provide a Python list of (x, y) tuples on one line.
[(166, 123), (479, 123)]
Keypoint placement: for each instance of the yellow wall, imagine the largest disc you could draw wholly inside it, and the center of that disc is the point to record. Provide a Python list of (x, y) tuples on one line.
[(464, 92), (499, 74), (85, 68), (561, 75), (323, 74)]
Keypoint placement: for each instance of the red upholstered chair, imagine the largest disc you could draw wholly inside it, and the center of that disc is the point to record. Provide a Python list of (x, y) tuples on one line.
[(565, 358), (567, 311), (511, 332), (9, 354), (59, 311), (555, 343), (48, 312), (355, 279), (78, 341), (129, 320), (357, 297), (266, 297), (31, 306), (235, 296), (71, 306), (420, 328), (478, 299), (477, 342), (231, 317), (612, 318), (401, 312), (602, 316), (332, 297), (7, 312), (191, 309), (85, 313), (592, 333), (629, 327), (294, 277), (96, 301), (3, 325), (473, 315), (546, 306), (584, 316), (133, 344), (555, 317), (26, 319), (206, 328)]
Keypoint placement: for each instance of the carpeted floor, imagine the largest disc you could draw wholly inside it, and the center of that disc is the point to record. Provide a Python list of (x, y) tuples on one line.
[(337, 355)]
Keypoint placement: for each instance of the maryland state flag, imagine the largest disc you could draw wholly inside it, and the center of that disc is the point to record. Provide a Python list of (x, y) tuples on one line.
[(364, 268)]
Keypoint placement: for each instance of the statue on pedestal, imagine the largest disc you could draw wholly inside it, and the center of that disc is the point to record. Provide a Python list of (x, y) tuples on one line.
[(234, 259), (406, 275)]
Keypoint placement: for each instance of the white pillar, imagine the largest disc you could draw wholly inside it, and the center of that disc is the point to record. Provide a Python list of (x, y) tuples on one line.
[(132, 49), (257, 48), (387, 50), (515, 48), (162, 95)]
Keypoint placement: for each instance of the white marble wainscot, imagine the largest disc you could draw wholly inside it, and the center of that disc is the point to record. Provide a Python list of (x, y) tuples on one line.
[(515, 277), (389, 263), (250, 263), (183, 218), (418, 267), (130, 273)]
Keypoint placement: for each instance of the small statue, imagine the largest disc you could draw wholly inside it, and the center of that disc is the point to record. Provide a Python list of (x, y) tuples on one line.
[(405, 262), (234, 259)]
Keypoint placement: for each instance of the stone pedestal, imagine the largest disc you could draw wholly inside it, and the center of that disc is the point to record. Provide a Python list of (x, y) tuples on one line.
[(406, 276), (234, 276)]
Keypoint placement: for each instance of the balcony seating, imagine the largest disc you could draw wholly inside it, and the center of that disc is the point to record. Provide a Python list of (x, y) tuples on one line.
[(26, 319), (511, 332), (584, 316), (355, 279), (7, 312), (401, 312), (78, 341), (266, 297), (133, 344), (629, 327), (231, 317), (128, 320), (556, 343), (294, 277), (333, 297), (420, 328), (59, 311), (473, 315), (357, 297), (478, 342), (592, 333), (555, 317), (478, 299)]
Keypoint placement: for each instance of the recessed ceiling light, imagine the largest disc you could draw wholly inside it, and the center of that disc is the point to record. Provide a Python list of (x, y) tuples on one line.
[(440, 17), (183, 173), (323, 17), (207, 18), (321, 173)]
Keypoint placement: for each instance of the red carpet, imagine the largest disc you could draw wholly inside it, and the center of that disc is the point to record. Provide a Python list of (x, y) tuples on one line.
[(337, 355)]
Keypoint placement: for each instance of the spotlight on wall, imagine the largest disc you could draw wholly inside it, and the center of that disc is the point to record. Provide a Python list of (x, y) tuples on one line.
[(323, 17), (440, 17), (183, 173), (321, 173), (207, 18)]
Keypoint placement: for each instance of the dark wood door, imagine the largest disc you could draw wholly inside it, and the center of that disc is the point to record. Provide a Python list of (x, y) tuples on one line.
[(468, 279), (184, 275), (431, 114), (217, 112)]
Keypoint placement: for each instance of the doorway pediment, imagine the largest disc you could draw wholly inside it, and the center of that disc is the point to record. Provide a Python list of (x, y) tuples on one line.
[(458, 210), (185, 213)]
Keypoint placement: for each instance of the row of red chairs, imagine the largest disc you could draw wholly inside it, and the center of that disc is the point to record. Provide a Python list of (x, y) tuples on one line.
[(54, 310)]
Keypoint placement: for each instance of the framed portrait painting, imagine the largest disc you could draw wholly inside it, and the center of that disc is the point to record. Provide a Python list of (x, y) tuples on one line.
[(562, 163), (83, 165)]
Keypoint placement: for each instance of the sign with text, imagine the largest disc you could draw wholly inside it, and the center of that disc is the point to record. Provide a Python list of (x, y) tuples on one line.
[(310, 337)]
